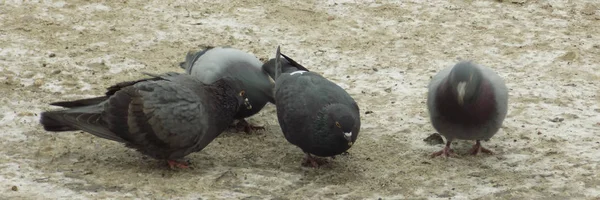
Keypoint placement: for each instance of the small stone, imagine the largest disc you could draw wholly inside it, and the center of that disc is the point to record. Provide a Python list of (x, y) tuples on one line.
[(52, 55), (557, 119), (589, 9), (434, 139), (375, 69), (99, 65), (368, 112), (388, 90), (570, 56), (38, 82), (14, 188), (330, 18), (57, 71), (21, 114)]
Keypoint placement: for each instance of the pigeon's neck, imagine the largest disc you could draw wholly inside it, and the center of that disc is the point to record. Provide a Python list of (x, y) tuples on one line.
[(480, 110)]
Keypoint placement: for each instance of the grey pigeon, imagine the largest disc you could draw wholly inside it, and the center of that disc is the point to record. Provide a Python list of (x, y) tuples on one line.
[(314, 113), (165, 117), (467, 102), (211, 64)]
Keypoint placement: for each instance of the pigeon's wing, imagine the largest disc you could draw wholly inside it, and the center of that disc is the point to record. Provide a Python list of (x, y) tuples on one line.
[(433, 86), (87, 114), (167, 113), (153, 114)]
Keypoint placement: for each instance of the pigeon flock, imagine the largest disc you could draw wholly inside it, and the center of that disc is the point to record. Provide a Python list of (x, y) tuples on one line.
[(168, 116)]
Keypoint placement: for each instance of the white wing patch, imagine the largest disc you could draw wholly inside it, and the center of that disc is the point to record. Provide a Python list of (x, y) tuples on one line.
[(298, 72)]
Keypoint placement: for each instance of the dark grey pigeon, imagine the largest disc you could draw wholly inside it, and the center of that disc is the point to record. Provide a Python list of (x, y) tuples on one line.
[(166, 117), (314, 113), (467, 102), (211, 64)]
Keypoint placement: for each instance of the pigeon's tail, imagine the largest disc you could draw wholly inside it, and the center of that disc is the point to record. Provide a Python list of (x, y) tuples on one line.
[(80, 103), (293, 64), (65, 120), (86, 118), (191, 57), (53, 121), (277, 63)]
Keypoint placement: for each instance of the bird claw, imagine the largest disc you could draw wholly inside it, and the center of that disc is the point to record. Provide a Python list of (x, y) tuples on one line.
[(477, 148), (173, 164), (447, 152), (313, 162), (247, 127)]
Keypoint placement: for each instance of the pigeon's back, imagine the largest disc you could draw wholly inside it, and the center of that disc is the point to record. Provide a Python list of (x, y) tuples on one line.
[(213, 64)]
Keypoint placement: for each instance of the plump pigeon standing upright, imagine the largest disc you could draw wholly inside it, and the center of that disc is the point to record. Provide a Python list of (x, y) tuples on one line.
[(467, 102), (211, 64), (166, 117), (314, 113)]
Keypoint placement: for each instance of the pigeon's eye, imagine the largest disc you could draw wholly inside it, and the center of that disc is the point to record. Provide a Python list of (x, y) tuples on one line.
[(242, 93), (338, 125)]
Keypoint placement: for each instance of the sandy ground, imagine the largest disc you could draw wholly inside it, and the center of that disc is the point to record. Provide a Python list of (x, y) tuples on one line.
[(382, 52)]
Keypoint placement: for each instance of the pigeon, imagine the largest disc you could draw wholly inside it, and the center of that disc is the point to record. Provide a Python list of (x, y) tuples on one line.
[(165, 117), (468, 102), (315, 114), (213, 63)]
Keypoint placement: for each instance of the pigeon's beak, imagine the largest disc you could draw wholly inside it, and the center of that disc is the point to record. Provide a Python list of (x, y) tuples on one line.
[(348, 136), (461, 92), (247, 104)]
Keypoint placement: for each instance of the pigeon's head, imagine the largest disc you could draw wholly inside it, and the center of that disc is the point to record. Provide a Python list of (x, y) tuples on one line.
[(237, 87), (342, 124), (244, 100), (464, 80)]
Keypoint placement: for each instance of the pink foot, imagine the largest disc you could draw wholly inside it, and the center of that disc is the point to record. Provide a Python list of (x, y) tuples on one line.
[(446, 151), (477, 148), (177, 164)]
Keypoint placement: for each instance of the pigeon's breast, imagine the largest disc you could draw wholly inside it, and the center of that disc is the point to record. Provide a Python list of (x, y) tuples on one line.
[(476, 113)]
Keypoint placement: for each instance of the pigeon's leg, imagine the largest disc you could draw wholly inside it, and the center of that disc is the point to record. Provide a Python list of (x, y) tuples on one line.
[(310, 161), (247, 127), (178, 164), (477, 148), (447, 151)]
